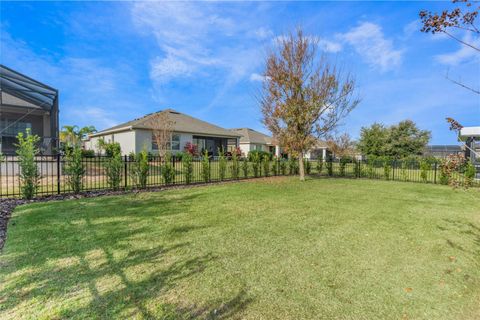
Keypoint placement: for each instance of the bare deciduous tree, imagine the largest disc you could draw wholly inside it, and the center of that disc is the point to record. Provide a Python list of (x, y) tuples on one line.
[(304, 95), (450, 22), (341, 145), (162, 129)]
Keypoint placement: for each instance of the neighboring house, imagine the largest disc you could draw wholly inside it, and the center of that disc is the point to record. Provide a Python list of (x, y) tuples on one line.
[(27, 104), (318, 151), (252, 140), (135, 135), (471, 137), (442, 151)]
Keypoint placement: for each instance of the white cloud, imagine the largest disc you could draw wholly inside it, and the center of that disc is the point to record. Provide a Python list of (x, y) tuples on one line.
[(255, 77), (164, 69), (370, 43), (263, 33), (463, 54), (329, 46)]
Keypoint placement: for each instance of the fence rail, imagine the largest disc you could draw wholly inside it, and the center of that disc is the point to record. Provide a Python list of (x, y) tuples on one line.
[(53, 179)]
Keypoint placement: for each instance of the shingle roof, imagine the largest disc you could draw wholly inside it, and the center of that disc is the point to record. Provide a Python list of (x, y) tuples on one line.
[(252, 136), (181, 123)]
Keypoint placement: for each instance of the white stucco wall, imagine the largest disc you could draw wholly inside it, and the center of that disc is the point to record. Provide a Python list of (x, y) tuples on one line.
[(126, 139)]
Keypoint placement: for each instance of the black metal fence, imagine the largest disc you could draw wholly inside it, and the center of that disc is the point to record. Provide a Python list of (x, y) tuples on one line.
[(53, 179)]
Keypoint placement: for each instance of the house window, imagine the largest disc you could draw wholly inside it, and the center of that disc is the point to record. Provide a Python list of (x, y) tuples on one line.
[(13, 127), (258, 147), (173, 145), (175, 142)]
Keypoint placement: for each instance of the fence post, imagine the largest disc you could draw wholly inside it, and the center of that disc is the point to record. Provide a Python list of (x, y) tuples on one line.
[(174, 170), (58, 173), (435, 174), (125, 159)]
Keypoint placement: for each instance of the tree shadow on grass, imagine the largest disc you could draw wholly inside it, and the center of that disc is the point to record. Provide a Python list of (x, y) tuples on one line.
[(468, 230), (34, 274)]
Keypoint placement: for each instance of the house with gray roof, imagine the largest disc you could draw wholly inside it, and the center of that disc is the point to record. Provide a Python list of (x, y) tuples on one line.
[(251, 140), (136, 135)]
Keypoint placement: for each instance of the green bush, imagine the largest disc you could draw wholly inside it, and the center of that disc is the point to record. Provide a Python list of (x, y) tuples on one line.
[(357, 169), (168, 171), (187, 164), (275, 166), (74, 168), (113, 165), (387, 169), (139, 169), (245, 167), (444, 177), (307, 166), (261, 154), (235, 166), (292, 166), (266, 165), (205, 167), (112, 148), (343, 164), (256, 162), (222, 164), (329, 166), (404, 170), (283, 167), (88, 153), (425, 166), (469, 174), (29, 175), (320, 165)]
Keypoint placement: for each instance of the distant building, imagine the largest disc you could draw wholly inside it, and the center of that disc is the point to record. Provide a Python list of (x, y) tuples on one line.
[(442, 151), (135, 135), (25, 104)]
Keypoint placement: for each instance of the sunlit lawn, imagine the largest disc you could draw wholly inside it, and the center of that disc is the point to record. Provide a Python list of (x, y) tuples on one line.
[(269, 249)]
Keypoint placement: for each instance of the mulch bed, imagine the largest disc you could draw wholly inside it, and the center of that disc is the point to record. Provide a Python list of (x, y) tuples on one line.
[(8, 205)]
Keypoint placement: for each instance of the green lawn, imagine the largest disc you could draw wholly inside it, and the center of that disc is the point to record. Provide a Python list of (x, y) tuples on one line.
[(265, 249)]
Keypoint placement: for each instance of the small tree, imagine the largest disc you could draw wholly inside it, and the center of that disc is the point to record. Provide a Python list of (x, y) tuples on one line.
[(387, 168), (168, 171), (307, 165), (113, 165), (275, 166), (29, 175), (222, 164), (235, 168), (74, 168), (469, 174), (206, 167), (140, 168), (425, 166), (187, 164), (256, 161), (245, 167), (320, 165), (304, 95), (283, 167), (162, 129)]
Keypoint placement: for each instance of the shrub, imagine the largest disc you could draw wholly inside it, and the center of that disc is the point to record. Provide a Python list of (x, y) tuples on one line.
[(404, 170), (29, 175), (113, 165), (245, 167), (387, 169), (425, 166), (266, 165), (88, 153), (206, 167), (283, 167), (191, 149), (329, 166), (469, 174), (235, 168), (139, 169), (256, 161), (307, 166), (187, 164), (343, 164), (444, 176), (168, 171), (261, 154), (320, 165), (222, 164), (371, 164), (292, 165), (357, 169), (275, 166), (74, 168)]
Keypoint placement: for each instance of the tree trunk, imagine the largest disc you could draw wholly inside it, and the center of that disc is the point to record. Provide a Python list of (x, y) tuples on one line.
[(301, 167)]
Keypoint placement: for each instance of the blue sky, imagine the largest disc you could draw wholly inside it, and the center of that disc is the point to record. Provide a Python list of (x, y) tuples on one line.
[(115, 61)]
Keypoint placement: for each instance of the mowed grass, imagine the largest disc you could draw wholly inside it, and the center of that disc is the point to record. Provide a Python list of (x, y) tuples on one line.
[(266, 249)]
